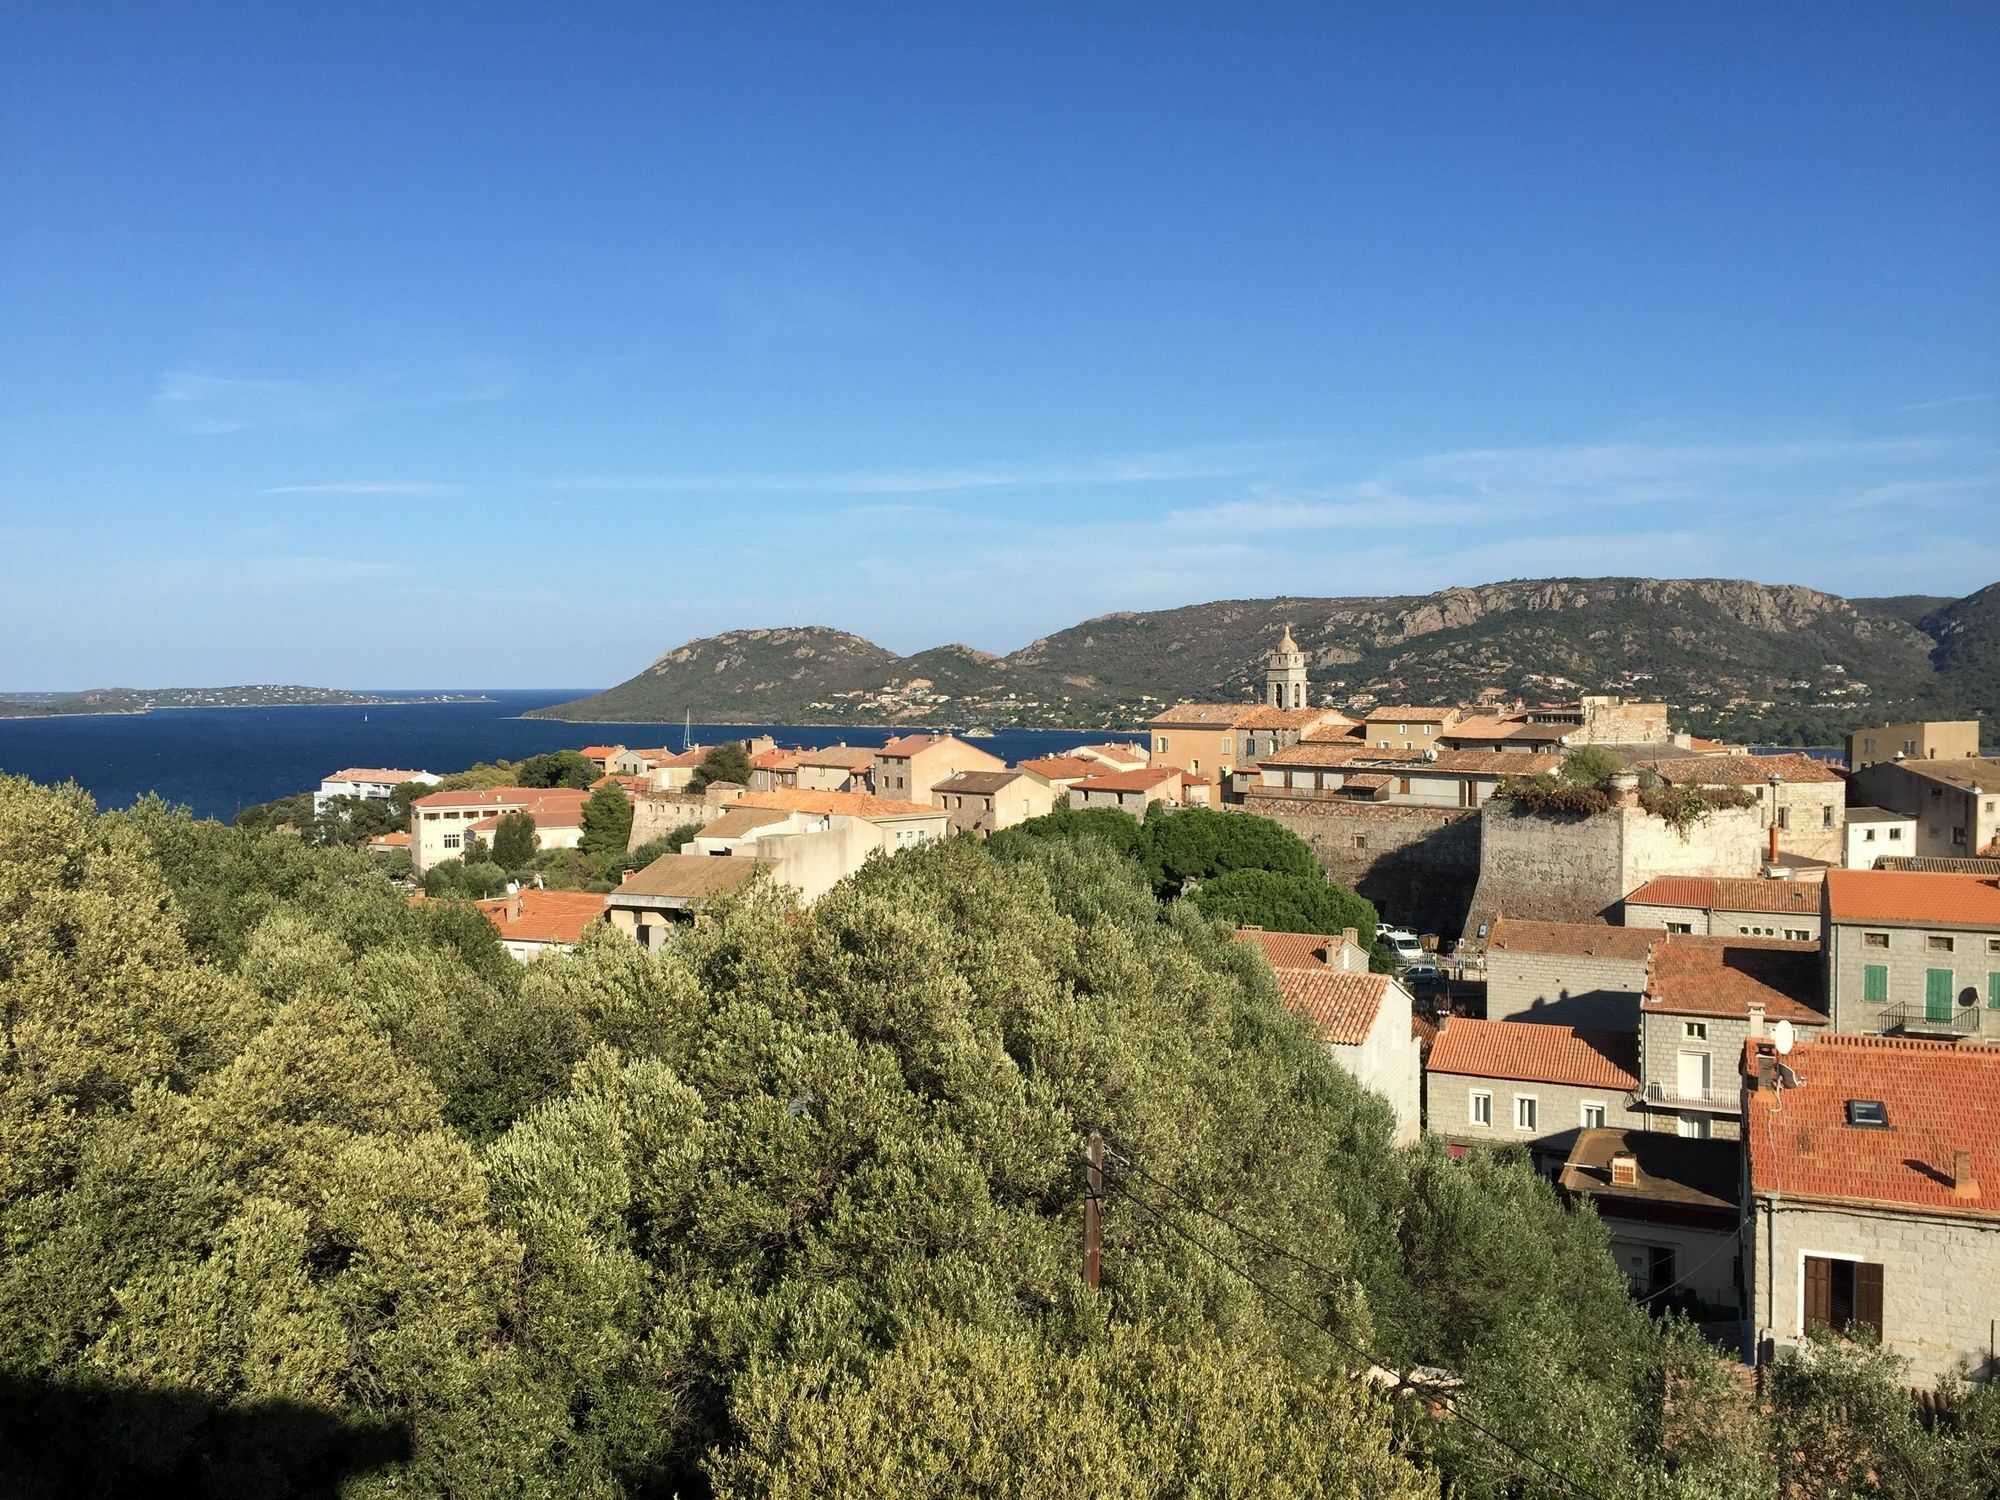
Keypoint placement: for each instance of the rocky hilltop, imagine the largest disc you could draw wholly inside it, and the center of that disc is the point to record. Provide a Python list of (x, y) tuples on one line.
[(1765, 661)]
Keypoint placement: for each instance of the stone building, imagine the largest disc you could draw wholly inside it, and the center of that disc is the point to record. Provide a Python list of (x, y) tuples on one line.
[(1954, 803), (1754, 907), (1568, 973), (1132, 791), (1529, 1084), (1364, 1021), (833, 768), (1285, 684), (1803, 799), (908, 766), (1874, 1198), (1914, 953), (1212, 740), (982, 801), (1933, 739)]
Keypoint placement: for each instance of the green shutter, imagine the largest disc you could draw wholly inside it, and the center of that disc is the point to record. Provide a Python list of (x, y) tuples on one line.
[(1938, 985), (1875, 982), (1993, 991)]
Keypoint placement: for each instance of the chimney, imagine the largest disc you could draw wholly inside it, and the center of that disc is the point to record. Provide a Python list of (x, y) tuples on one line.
[(1624, 1170), (1773, 856), (1963, 1183), (1756, 1018), (1624, 789), (1767, 1070), (1444, 1020), (514, 907), (628, 877)]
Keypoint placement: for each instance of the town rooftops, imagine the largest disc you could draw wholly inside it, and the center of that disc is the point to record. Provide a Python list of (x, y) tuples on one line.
[(853, 804), (600, 752), (1495, 762), (1341, 1005), (1741, 770), (1725, 978), (1411, 715), (379, 775), (396, 838), (1537, 1052), (1313, 751), (540, 801), (981, 783), (1970, 774), (1062, 767), (1131, 781), (1912, 898), (741, 821), (1263, 717), (1936, 1099), (533, 916), (1712, 893), (1685, 1173), (1571, 939), (903, 746), (1483, 728), (775, 759), (688, 877), (628, 783), (1939, 864), (839, 757), (1120, 752), (1203, 716)]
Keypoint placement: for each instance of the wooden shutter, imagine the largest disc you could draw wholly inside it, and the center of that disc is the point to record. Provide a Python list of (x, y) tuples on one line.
[(1868, 1295), (1819, 1290)]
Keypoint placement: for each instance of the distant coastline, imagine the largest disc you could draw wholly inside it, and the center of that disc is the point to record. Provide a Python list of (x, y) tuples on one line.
[(65, 707)]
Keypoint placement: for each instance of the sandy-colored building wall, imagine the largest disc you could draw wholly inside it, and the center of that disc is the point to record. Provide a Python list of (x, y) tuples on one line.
[(981, 813), (1932, 739), (1388, 1062)]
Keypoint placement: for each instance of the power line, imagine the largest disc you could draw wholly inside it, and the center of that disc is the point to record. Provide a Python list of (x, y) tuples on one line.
[(1348, 1344)]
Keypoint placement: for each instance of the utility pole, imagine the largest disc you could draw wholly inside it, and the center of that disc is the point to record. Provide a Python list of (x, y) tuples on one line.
[(1093, 1209)]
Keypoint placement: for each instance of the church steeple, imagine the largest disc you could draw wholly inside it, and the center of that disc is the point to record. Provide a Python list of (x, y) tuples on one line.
[(1285, 675)]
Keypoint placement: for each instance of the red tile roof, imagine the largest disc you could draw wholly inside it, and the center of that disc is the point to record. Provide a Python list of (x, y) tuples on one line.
[(1484, 728), (1909, 896), (377, 773), (1742, 770), (1412, 715), (545, 916), (394, 839), (629, 783), (1725, 978), (1292, 950), (1312, 751), (600, 752), (1495, 762), (1940, 1098), (1571, 939), (1130, 781), (1062, 767), (1534, 1052), (854, 804), (1342, 1006), (507, 798), (1203, 716), (776, 760), (1792, 897), (903, 746)]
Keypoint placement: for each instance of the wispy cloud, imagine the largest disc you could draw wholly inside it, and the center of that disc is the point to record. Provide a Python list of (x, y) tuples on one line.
[(367, 487), (207, 403), (1944, 401), (1056, 473)]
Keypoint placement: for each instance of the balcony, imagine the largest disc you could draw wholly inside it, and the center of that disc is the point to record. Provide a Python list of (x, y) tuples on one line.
[(1913, 1018), (1721, 1101)]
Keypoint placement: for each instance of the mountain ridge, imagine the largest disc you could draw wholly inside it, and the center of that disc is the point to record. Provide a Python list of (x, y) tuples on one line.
[(1776, 662)]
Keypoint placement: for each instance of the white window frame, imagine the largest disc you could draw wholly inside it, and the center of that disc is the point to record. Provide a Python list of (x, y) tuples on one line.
[(1534, 1103), (1472, 1110), (1603, 1114), (1694, 1031)]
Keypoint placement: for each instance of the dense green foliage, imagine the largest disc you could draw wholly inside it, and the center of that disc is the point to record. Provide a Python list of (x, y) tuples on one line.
[(558, 768), (300, 1183), (730, 762), (1285, 903), (607, 824), (1589, 765), (515, 840)]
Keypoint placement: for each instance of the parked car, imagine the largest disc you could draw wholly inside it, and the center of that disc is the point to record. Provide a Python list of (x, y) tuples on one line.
[(1422, 975)]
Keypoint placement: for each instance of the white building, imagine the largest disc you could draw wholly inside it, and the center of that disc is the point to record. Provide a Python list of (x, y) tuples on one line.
[(1873, 832), (371, 782)]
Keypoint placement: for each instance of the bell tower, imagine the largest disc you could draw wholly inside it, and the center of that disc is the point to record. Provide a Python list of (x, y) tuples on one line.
[(1285, 675)]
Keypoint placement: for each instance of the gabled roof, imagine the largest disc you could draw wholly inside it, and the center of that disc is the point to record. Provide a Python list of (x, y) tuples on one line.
[(1323, 753), (1062, 767), (841, 757), (1690, 1173), (1290, 718), (689, 877), (1536, 1052), (376, 773), (1483, 728), (1726, 978), (1571, 939), (396, 838), (853, 804), (1742, 770), (740, 821), (1408, 714), (1130, 781), (1291, 950), (540, 801), (600, 752), (546, 916), (1938, 1098), (1711, 893), (1495, 763), (1203, 716), (983, 783), (1342, 1006), (776, 760), (1912, 897), (903, 746)]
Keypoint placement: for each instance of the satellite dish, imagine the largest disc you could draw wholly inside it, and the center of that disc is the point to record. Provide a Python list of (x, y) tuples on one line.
[(1781, 1034)]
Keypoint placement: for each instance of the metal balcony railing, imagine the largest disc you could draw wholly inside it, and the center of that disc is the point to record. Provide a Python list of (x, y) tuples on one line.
[(1913, 1018), (1673, 1096)]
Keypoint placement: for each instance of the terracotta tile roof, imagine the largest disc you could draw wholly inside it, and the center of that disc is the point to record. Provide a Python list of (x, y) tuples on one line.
[(1341, 1006), (1292, 950), (776, 760), (1363, 782), (1939, 1098), (689, 877), (840, 757), (600, 752), (1203, 716), (1412, 715), (903, 746), (1322, 753), (1910, 896), (1130, 781), (1571, 939), (1505, 729), (1725, 978), (1933, 864), (979, 783), (1424, 1028), (1797, 898), (1532, 1052), (740, 821), (629, 783), (1062, 767), (1971, 773), (545, 916), (1290, 718), (1695, 1174), (1496, 762), (854, 804), (395, 839), (376, 773), (686, 759), (537, 800), (1118, 750), (1742, 770)]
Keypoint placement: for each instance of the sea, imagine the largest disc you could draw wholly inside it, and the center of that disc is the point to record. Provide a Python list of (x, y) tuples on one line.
[(217, 761)]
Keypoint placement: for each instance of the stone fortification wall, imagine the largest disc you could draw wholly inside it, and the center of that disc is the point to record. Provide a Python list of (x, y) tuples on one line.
[(1417, 864), (1729, 842), (657, 814)]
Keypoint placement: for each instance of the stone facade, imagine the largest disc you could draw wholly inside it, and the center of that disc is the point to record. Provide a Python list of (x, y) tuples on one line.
[(1417, 864), (1600, 991), (1558, 1110), (1954, 803), (1940, 1309), (1722, 921), (1907, 957), (1938, 739), (1713, 1108)]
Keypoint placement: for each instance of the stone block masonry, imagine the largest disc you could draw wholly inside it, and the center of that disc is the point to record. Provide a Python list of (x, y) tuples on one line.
[(1418, 865)]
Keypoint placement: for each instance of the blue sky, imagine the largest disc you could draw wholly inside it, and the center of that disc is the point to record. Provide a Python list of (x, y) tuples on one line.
[(506, 345)]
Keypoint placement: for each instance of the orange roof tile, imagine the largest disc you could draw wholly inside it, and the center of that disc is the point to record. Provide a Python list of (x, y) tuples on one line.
[(903, 746), (1131, 781), (1291, 950), (1717, 894), (1342, 1006), (545, 916), (854, 804), (1918, 898), (629, 783), (1496, 762), (1726, 978), (1292, 718), (840, 757), (507, 798), (395, 839), (1203, 715), (1742, 770), (1939, 1097), (776, 760), (1062, 767), (1318, 752), (600, 752), (1534, 1052), (378, 774)]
